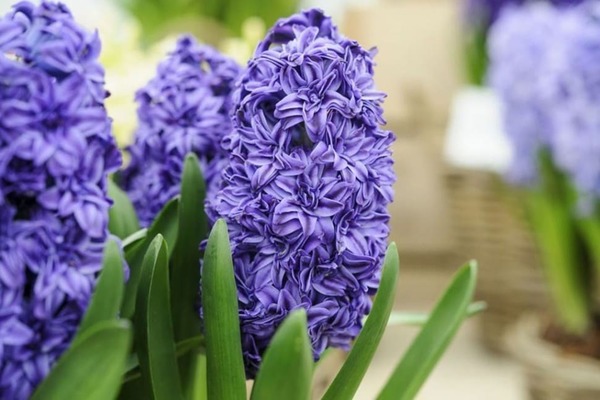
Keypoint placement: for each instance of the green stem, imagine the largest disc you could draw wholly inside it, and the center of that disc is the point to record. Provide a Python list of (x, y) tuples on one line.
[(556, 236), (589, 229), (551, 209), (475, 53)]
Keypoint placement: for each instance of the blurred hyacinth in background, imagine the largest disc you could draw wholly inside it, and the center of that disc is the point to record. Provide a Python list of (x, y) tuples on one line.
[(307, 187), (478, 17), (544, 67), (574, 96), (520, 45), (185, 108), (56, 150)]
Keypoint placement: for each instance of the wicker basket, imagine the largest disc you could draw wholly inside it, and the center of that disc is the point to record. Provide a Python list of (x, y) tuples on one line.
[(551, 374), (489, 226)]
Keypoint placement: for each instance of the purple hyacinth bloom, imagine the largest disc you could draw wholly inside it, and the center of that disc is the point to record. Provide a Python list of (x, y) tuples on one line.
[(574, 94), (184, 108), (521, 52), (56, 150), (306, 191)]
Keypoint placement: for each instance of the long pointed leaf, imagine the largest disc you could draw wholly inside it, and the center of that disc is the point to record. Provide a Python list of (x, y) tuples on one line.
[(287, 366), (155, 343), (348, 379), (122, 219), (434, 338), (185, 266), (551, 210), (225, 366), (107, 297), (417, 319), (165, 224), (185, 271), (92, 368)]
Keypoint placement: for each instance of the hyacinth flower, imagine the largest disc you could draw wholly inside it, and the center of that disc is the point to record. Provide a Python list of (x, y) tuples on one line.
[(573, 93), (478, 17), (56, 151), (309, 179), (575, 96), (184, 109), (540, 66), (521, 52)]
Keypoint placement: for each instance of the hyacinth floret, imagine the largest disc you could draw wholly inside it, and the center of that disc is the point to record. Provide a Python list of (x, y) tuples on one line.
[(521, 55), (306, 190), (185, 108), (56, 150)]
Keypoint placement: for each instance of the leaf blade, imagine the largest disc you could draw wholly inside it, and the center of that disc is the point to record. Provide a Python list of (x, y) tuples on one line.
[(108, 294), (287, 359), (122, 218), (225, 366), (418, 319), (185, 266), (75, 376), (165, 224), (427, 348), (155, 343), (185, 271)]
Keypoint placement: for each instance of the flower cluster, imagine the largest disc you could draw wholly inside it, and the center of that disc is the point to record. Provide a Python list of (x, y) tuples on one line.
[(574, 93), (56, 149), (185, 108), (520, 51), (306, 190)]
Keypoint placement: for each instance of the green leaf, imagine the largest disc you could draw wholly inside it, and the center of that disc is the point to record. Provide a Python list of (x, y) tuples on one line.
[(165, 224), (287, 366), (185, 270), (92, 368), (122, 219), (185, 266), (550, 208), (415, 318), (225, 367), (200, 389), (134, 238), (434, 338), (348, 379), (106, 300), (155, 343)]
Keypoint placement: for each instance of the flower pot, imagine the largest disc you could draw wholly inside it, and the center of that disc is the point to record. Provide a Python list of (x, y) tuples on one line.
[(551, 373)]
